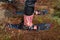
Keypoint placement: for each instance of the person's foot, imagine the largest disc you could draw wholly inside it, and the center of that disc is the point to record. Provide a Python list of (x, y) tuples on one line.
[(28, 24), (33, 27)]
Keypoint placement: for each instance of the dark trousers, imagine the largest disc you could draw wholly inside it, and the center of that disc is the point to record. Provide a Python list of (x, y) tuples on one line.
[(29, 7)]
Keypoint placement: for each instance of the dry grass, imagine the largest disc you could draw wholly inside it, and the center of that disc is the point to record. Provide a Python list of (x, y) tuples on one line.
[(16, 34), (13, 34)]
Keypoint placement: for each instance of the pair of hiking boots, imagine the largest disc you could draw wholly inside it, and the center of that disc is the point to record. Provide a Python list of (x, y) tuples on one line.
[(36, 28)]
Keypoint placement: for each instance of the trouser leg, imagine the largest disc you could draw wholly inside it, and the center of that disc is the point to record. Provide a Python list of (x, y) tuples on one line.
[(29, 7), (28, 12)]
